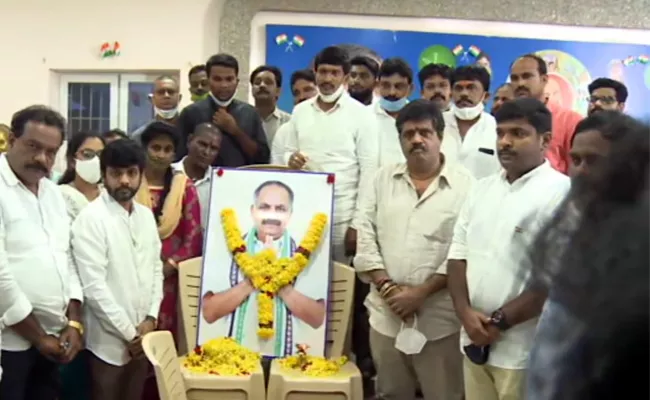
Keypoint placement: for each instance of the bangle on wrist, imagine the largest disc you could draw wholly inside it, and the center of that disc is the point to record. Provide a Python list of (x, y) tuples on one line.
[(382, 282)]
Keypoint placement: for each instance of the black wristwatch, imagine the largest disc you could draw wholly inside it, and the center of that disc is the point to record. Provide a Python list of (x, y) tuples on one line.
[(498, 319)]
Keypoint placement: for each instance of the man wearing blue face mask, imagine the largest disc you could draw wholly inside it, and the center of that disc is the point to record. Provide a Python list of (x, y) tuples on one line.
[(470, 133), (165, 99), (395, 85)]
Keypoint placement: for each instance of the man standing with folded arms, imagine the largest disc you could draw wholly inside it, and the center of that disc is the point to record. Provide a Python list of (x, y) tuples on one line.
[(40, 295)]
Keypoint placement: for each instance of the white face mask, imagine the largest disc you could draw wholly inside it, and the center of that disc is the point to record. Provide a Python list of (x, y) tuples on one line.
[(222, 103), (88, 170), (166, 114), (468, 113), (331, 98), (409, 340)]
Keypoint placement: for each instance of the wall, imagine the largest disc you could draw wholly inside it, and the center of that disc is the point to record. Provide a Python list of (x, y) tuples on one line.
[(39, 36)]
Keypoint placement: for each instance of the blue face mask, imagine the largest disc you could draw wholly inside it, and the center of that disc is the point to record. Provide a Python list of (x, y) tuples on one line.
[(393, 106)]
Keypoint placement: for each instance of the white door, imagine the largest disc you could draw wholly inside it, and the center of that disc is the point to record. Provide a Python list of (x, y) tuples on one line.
[(89, 101), (135, 108)]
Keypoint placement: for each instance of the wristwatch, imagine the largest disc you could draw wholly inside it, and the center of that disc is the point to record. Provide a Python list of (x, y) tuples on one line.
[(77, 325), (498, 319), (153, 320)]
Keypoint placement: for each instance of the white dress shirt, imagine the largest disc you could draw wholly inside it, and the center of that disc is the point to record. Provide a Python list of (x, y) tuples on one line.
[(202, 188), (494, 232), (274, 121), (35, 251), (279, 146), (472, 151), (118, 256), (409, 236), (390, 149), (342, 141)]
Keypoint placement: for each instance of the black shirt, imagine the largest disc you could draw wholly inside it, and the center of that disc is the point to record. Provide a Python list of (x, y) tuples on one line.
[(231, 153)]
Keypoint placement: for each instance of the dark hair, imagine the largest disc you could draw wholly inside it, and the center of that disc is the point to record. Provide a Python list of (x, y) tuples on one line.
[(601, 275), (333, 55), (353, 50), (483, 55), (77, 140), (619, 88), (529, 109), (541, 64), (283, 185), (396, 65), (122, 154), (115, 132), (196, 69), (38, 114), (430, 70), (160, 128), (270, 68), (367, 62), (613, 125), (471, 73), (303, 74), (222, 60), (421, 110)]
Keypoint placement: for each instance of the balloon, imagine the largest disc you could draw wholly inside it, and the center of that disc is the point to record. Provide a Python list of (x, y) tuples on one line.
[(437, 54)]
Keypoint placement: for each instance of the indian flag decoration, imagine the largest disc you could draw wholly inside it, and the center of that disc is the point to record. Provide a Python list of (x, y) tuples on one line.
[(629, 61), (298, 40), (475, 51), (107, 50), (281, 39), (458, 50)]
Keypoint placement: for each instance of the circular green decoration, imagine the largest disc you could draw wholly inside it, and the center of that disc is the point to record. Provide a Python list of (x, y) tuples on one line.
[(437, 54)]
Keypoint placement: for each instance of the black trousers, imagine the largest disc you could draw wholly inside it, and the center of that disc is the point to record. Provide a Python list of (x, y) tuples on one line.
[(27, 375), (361, 330)]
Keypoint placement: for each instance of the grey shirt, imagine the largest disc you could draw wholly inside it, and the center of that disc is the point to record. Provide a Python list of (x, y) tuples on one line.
[(273, 122), (231, 153)]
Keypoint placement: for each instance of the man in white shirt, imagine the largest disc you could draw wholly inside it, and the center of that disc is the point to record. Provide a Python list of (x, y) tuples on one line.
[(202, 150), (404, 234), (332, 132), (395, 86), (42, 326), (266, 84), (470, 132), (116, 247), (489, 267)]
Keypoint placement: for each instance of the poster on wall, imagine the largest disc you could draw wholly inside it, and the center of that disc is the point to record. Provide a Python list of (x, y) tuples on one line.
[(266, 263), (572, 65)]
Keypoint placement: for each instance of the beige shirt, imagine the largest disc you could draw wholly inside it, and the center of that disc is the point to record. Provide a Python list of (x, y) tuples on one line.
[(273, 122), (409, 237)]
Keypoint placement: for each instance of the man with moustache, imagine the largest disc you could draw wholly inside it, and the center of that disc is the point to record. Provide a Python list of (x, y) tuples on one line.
[(470, 133), (117, 248), (166, 99), (528, 76), (435, 84), (244, 141), (198, 80), (404, 234), (335, 133), (303, 87), (606, 94), (488, 282), (266, 84), (40, 322), (503, 93), (362, 79), (202, 149)]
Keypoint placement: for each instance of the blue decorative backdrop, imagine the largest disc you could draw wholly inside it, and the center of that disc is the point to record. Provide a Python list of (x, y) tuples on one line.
[(573, 64)]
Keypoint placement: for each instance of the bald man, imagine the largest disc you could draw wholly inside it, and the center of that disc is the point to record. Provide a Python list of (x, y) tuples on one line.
[(166, 99)]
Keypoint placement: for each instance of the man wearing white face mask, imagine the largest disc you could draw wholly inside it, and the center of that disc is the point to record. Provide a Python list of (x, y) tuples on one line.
[(405, 230), (470, 132), (335, 133), (166, 99)]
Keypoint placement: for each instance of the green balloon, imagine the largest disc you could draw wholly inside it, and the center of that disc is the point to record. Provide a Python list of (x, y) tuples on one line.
[(437, 54)]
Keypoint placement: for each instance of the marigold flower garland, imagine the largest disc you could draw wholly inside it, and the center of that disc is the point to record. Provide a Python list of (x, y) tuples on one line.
[(311, 365), (267, 273), (223, 356)]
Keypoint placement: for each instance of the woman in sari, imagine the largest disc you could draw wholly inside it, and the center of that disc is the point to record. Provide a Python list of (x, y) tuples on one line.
[(79, 185), (175, 203)]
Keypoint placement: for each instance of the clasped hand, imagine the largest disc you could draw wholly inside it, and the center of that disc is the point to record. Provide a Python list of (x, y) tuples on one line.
[(62, 349), (478, 327), (135, 345), (224, 120), (405, 300)]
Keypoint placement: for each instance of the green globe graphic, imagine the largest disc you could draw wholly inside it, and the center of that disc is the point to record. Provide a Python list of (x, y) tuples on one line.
[(437, 54)]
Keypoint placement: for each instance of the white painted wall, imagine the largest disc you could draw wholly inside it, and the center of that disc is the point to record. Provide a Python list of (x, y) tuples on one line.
[(40, 37)]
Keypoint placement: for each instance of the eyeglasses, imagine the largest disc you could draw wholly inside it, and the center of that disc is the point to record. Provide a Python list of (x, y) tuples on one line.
[(603, 100)]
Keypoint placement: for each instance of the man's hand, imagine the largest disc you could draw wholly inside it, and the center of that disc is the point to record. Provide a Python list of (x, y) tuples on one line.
[(406, 300), (350, 242), (146, 326), (50, 347), (476, 326), (225, 121), (135, 347), (494, 333), (71, 342), (297, 160)]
